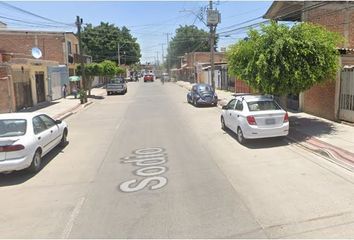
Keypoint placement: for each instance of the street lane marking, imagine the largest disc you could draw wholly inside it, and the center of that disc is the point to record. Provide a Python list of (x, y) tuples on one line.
[(73, 216), (150, 159)]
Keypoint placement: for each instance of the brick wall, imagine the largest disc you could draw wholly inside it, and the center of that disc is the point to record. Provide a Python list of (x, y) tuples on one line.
[(319, 100), (331, 20), (7, 104), (203, 57), (21, 44)]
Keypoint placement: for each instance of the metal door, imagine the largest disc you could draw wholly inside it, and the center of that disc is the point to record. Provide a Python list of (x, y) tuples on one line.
[(55, 81), (346, 99), (40, 87)]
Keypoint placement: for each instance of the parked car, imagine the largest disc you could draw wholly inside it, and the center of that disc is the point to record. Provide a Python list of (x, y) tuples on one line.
[(202, 94), (165, 77), (149, 77), (117, 85), (254, 116), (26, 137)]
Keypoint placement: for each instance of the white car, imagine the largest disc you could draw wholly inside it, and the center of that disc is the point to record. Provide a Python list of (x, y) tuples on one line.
[(26, 137), (254, 116)]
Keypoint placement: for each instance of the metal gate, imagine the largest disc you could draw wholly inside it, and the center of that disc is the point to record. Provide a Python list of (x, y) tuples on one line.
[(57, 77), (346, 99)]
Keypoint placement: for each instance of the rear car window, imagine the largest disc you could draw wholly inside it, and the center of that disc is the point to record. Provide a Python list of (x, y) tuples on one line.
[(205, 88), (264, 105), (117, 80), (12, 127)]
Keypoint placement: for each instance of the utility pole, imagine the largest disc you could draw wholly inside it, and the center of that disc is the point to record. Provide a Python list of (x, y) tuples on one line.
[(212, 21), (162, 56), (168, 59), (157, 54), (212, 39), (118, 55), (78, 24)]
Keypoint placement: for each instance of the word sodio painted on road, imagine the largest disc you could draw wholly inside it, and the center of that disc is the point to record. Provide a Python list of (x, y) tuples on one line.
[(150, 161)]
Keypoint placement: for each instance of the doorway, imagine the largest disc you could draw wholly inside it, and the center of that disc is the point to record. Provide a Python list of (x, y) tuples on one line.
[(40, 87)]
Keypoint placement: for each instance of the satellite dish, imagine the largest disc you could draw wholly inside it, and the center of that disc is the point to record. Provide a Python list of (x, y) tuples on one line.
[(36, 53)]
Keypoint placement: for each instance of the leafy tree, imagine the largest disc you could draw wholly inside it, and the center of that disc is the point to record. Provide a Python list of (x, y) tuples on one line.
[(101, 42), (280, 60), (109, 69), (187, 39)]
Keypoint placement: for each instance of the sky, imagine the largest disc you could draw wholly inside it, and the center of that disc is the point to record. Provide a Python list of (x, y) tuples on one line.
[(151, 22)]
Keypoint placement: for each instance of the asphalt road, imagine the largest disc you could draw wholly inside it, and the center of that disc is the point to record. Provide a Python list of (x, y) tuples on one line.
[(149, 165)]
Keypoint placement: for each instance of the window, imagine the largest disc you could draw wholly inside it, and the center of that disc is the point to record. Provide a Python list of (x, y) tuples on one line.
[(12, 127), (263, 105), (47, 121), (117, 80), (38, 125), (69, 47), (231, 104), (205, 88), (239, 105)]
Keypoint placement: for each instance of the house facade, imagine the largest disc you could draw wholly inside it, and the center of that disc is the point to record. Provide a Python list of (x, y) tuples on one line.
[(195, 68), (36, 80), (326, 99)]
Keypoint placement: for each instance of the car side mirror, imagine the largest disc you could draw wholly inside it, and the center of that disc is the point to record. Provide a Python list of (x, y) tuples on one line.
[(58, 121), (225, 107)]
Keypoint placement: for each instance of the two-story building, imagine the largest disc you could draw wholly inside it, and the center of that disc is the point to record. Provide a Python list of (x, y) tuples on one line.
[(37, 79)]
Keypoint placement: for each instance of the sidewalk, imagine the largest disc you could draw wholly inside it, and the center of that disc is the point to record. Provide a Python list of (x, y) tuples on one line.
[(333, 140), (64, 107)]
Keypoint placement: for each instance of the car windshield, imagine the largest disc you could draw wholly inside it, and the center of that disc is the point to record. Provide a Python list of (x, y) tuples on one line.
[(263, 105), (117, 80), (12, 127), (205, 88)]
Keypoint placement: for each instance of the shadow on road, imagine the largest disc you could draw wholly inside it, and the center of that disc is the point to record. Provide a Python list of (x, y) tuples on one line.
[(96, 97), (19, 177), (303, 128), (260, 143)]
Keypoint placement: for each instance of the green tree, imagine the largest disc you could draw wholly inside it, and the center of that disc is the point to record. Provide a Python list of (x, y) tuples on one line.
[(280, 60), (101, 42), (91, 71), (187, 39), (109, 69)]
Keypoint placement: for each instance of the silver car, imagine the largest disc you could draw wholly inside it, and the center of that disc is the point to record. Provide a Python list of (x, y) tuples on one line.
[(117, 85)]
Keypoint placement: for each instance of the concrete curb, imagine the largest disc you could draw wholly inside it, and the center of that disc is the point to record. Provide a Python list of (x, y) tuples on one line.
[(331, 152), (71, 111)]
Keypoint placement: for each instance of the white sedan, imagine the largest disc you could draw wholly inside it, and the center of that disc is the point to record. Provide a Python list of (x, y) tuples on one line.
[(254, 116), (26, 137)]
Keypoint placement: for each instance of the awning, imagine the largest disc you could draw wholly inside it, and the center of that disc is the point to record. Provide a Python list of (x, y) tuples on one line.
[(74, 79)]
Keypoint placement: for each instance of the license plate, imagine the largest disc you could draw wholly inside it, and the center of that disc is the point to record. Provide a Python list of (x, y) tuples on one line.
[(270, 121)]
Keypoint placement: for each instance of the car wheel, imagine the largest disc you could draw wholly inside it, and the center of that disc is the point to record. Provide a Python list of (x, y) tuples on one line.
[(223, 126), (195, 102), (64, 138), (36, 162), (240, 138)]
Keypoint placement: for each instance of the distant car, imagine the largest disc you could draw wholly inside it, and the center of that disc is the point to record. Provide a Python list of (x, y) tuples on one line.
[(165, 77), (117, 85), (254, 116), (148, 78), (202, 94), (26, 137)]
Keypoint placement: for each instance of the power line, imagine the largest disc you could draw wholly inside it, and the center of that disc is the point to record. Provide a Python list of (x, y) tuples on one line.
[(30, 23), (35, 15)]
